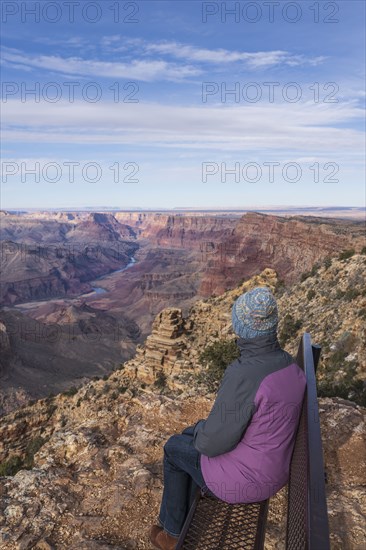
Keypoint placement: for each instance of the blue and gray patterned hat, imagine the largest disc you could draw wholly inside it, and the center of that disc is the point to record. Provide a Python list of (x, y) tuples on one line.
[(255, 313)]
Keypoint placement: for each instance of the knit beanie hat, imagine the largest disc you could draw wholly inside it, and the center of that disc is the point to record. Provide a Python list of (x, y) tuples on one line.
[(255, 313)]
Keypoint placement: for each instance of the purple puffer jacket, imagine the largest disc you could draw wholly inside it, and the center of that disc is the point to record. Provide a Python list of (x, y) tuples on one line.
[(247, 440)]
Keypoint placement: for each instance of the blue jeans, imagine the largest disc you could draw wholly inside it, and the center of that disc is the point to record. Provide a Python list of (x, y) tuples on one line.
[(182, 478)]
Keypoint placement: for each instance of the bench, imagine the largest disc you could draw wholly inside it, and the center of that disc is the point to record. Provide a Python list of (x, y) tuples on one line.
[(212, 524)]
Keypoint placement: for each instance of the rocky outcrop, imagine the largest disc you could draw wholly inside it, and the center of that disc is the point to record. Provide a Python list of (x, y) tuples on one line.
[(165, 350)]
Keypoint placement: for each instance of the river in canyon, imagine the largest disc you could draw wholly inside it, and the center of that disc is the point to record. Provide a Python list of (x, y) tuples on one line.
[(101, 290)]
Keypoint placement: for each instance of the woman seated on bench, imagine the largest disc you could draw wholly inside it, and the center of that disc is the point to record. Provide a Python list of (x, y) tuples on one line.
[(242, 451)]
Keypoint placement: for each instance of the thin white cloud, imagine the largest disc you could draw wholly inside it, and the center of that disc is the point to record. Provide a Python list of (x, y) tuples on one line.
[(308, 128), (147, 61), (144, 70), (219, 56), (187, 52)]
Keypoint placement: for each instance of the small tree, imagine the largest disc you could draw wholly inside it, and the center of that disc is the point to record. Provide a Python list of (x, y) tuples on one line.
[(216, 358), (160, 381), (346, 254), (11, 467), (311, 294), (290, 328)]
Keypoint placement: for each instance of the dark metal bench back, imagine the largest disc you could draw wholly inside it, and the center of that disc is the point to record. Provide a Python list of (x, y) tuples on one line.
[(307, 517)]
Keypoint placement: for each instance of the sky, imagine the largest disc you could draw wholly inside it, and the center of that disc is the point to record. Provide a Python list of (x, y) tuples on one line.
[(163, 104)]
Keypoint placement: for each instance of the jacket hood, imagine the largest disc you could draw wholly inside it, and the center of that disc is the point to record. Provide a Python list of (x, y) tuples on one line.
[(258, 346)]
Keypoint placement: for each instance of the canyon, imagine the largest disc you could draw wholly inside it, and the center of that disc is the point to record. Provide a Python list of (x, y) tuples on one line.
[(79, 291)]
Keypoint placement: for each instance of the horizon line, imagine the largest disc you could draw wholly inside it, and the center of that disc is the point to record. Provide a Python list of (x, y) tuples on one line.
[(218, 208)]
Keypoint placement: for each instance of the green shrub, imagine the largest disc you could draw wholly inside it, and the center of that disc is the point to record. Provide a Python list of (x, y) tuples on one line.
[(346, 254), (344, 346), (51, 409), (304, 276), (362, 313), (15, 463), (354, 391), (11, 467), (122, 389), (32, 448), (314, 269), (351, 294), (160, 381), (71, 391), (310, 295), (216, 357), (280, 288), (363, 251), (327, 262), (290, 327)]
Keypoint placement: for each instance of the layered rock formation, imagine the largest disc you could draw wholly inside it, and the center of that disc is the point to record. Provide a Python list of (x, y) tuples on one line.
[(230, 249), (290, 246)]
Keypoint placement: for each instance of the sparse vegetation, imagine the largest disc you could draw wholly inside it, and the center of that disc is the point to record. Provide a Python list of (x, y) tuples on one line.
[(362, 313), (11, 466), (71, 391), (216, 358), (314, 269), (338, 372), (290, 327), (346, 254), (51, 409), (160, 381), (311, 294), (15, 463), (351, 294), (355, 391), (280, 288), (32, 448)]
